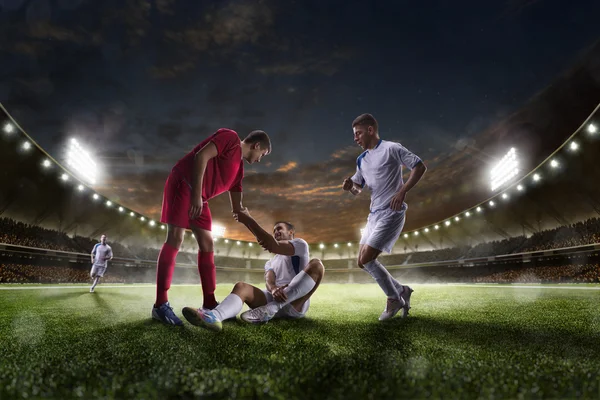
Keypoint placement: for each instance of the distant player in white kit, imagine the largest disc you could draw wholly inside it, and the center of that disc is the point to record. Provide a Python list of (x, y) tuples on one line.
[(101, 254), (379, 168), (290, 280)]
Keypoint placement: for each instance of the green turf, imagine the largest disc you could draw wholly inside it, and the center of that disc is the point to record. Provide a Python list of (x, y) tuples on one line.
[(459, 342)]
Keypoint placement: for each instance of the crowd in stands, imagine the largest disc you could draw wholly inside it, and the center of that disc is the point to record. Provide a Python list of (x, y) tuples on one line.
[(587, 273), (581, 233), (19, 233), (577, 234), (579, 273)]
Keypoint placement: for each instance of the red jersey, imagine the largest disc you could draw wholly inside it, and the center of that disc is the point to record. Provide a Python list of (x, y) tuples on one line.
[(224, 172)]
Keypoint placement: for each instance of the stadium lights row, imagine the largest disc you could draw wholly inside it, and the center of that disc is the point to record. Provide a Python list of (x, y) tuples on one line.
[(534, 176), (77, 163), (508, 162)]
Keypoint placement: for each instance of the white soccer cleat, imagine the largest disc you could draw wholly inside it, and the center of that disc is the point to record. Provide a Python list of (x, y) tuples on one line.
[(406, 293), (392, 308), (259, 315), (91, 290)]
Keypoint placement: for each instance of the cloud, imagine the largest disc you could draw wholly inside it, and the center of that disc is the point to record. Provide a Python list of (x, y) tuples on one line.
[(287, 167), (326, 63)]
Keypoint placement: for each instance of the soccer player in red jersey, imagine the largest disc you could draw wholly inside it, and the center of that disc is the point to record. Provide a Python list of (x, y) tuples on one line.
[(214, 166)]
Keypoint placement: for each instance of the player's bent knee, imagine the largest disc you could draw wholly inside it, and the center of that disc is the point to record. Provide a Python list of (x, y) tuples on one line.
[(240, 287), (364, 259), (316, 265)]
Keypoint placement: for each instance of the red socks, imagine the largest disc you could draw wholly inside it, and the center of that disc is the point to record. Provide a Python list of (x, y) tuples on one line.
[(164, 272), (208, 278)]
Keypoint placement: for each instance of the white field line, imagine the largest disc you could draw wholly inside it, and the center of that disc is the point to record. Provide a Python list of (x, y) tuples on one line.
[(133, 286)]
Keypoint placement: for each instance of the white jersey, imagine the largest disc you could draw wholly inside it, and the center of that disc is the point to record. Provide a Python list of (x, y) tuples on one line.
[(380, 169), (101, 252), (287, 267)]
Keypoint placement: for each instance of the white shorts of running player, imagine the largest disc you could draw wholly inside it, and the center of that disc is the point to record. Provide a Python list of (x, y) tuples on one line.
[(97, 270), (288, 311), (383, 229)]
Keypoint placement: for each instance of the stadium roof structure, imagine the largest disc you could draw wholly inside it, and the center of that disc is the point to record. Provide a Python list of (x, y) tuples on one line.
[(38, 190)]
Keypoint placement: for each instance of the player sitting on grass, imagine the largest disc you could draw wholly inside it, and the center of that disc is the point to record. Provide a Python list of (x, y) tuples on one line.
[(288, 286)]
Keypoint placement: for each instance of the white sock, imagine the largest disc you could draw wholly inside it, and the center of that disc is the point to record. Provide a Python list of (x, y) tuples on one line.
[(383, 278), (229, 307), (300, 286), (399, 287), (95, 282)]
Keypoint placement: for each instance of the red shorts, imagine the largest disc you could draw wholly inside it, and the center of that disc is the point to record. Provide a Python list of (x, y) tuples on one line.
[(176, 205)]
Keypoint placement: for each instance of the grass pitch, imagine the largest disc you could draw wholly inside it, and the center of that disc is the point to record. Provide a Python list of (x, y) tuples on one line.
[(459, 342)]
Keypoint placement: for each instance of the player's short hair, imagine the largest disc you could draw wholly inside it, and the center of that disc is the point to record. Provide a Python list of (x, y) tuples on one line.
[(366, 119), (287, 224), (259, 137)]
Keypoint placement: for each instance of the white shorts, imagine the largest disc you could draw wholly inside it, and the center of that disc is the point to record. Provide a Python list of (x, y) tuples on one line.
[(288, 311), (97, 270), (383, 229)]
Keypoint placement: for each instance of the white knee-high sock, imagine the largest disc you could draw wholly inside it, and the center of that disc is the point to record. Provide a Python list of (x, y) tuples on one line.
[(300, 286), (383, 278), (399, 287), (95, 282), (229, 307)]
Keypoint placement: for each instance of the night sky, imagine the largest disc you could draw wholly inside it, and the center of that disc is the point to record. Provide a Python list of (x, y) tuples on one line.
[(142, 82)]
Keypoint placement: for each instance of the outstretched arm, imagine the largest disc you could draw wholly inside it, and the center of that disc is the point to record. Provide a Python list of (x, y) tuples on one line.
[(263, 237), (236, 201)]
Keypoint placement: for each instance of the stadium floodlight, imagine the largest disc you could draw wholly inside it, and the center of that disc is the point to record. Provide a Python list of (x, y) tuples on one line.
[(574, 146), (519, 187), (426, 230), (64, 177), (406, 235), (554, 163), (335, 245), (226, 240), (457, 219), (108, 203), (447, 223), (95, 196), (592, 128), (321, 246), (80, 188), (152, 223), (536, 177), (218, 231), (349, 244), (238, 243), (9, 128), (162, 227), (46, 163), (81, 163), (504, 196), (121, 209), (142, 218), (468, 214), (504, 170), (492, 204), (436, 227), (132, 214), (249, 244), (479, 209), (416, 233), (26, 146)]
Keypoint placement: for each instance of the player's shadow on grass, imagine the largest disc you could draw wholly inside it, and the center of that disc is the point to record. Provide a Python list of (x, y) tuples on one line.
[(98, 299), (69, 295), (503, 337)]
